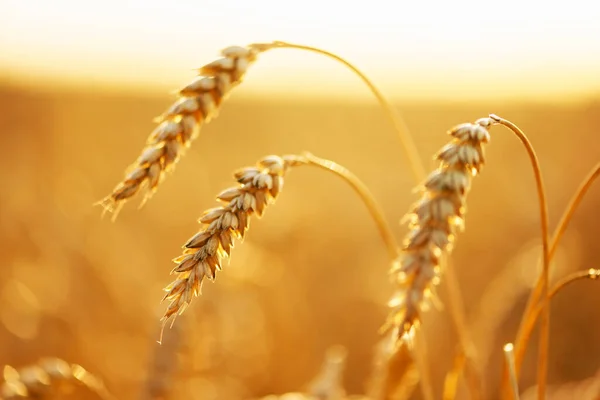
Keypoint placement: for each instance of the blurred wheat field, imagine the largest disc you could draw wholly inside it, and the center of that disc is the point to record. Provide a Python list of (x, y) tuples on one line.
[(312, 273)]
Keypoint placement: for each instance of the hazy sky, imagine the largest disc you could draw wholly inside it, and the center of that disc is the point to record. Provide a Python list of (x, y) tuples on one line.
[(461, 49)]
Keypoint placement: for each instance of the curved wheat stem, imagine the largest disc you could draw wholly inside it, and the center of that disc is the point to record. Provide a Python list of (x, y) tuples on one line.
[(258, 186), (592, 274), (528, 320), (199, 101), (46, 378), (363, 192), (545, 276), (433, 222), (408, 144)]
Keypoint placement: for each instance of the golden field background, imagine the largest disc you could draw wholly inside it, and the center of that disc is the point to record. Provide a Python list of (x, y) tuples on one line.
[(311, 273)]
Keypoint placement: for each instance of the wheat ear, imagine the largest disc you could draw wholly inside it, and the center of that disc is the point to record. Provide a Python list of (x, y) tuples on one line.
[(204, 252), (48, 377), (433, 224), (198, 102), (258, 186)]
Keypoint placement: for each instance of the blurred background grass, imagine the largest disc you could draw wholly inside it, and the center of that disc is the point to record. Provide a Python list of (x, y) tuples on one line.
[(313, 272)]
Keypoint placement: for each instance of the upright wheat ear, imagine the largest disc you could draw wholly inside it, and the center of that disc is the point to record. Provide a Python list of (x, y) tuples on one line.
[(198, 102), (433, 223)]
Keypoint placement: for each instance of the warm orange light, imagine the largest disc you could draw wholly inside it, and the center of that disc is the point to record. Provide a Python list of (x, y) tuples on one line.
[(460, 49)]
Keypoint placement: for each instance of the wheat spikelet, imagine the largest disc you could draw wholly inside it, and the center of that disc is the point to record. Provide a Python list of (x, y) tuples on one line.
[(47, 377), (433, 223), (204, 252), (198, 102)]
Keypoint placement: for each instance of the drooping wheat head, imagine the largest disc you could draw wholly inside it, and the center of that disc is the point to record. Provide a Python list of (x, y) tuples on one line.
[(204, 253), (47, 378), (198, 102), (433, 222)]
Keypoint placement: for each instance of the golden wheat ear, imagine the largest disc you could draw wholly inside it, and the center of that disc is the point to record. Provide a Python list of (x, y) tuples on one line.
[(48, 378), (433, 222), (197, 103), (258, 186), (200, 101)]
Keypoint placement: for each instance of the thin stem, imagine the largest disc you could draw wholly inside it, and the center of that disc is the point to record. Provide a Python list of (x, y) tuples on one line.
[(366, 196), (393, 250), (410, 149), (460, 324), (451, 379), (528, 320), (418, 170), (544, 221), (593, 274), (509, 356), (420, 352)]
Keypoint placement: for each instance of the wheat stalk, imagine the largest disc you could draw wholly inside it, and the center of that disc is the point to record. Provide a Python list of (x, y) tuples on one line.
[(509, 356), (500, 296), (434, 221), (46, 377), (542, 368), (592, 274), (528, 319)]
